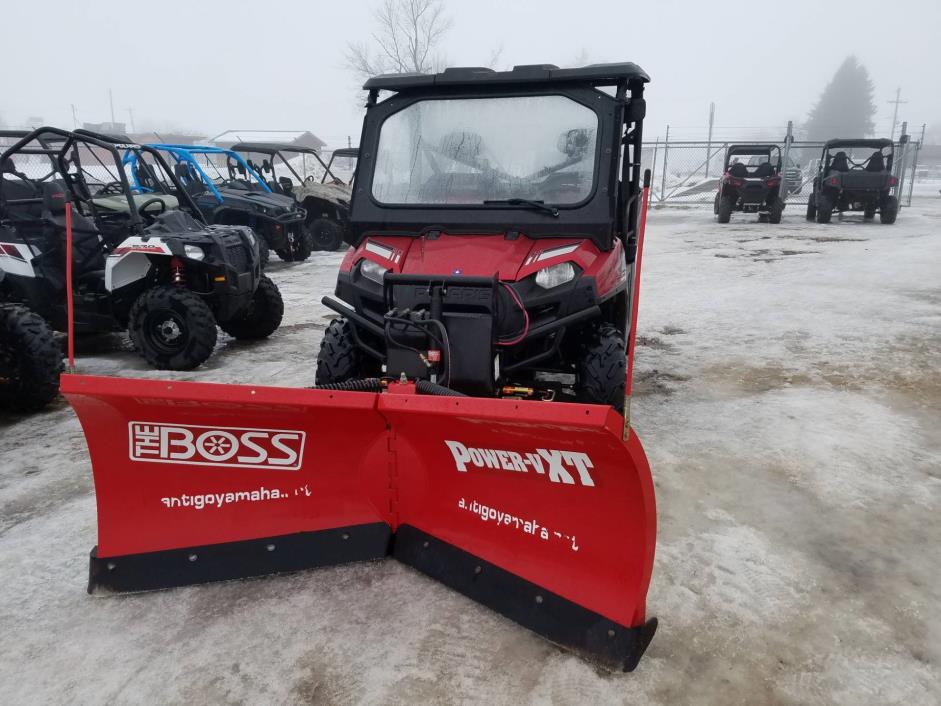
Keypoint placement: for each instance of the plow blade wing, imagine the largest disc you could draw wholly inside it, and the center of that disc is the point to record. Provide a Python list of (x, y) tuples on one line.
[(538, 510), (200, 482)]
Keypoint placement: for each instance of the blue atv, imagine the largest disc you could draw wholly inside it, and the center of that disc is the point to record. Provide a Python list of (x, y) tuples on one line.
[(229, 192)]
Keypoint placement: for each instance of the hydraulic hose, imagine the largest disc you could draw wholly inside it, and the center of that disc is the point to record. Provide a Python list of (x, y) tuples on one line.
[(364, 385), (425, 387)]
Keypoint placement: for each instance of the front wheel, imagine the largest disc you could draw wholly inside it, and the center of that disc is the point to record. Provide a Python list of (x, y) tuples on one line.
[(326, 234), (261, 317), (298, 249), (340, 359), (30, 360), (172, 328), (602, 369), (264, 251), (889, 211)]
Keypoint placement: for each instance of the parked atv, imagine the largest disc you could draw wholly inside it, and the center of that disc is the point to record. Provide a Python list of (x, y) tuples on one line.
[(229, 192), (141, 262), (30, 359), (752, 187), (324, 196), (855, 175), (492, 254)]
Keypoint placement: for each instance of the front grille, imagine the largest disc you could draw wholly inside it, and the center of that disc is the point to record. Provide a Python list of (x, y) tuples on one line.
[(237, 255)]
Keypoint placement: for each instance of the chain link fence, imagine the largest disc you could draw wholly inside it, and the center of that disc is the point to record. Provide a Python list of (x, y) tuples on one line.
[(685, 173), (688, 172)]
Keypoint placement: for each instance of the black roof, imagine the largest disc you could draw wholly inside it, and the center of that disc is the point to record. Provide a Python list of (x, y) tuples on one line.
[(859, 142), (346, 152), (753, 148), (271, 147), (598, 74)]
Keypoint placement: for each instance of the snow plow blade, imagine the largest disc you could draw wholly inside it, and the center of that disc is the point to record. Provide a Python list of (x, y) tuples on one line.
[(537, 510)]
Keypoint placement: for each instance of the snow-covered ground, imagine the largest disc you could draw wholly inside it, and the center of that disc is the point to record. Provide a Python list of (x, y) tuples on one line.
[(790, 404)]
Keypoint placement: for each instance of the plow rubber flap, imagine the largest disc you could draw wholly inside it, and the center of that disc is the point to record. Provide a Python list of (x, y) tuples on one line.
[(536, 510), (200, 482)]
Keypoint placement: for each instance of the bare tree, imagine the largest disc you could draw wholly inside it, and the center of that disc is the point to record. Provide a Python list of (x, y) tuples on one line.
[(407, 35)]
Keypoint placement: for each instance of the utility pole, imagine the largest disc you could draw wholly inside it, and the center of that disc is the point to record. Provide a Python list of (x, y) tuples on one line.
[(111, 101), (895, 114), (130, 114), (74, 116), (663, 174), (712, 119)]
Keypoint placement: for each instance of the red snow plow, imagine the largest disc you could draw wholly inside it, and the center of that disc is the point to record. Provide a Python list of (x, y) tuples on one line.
[(542, 510)]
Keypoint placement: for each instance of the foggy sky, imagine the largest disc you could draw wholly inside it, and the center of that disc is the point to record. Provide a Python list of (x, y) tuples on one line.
[(210, 65)]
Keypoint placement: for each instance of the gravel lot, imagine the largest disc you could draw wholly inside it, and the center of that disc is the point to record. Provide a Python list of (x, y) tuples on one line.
[(790, 404)]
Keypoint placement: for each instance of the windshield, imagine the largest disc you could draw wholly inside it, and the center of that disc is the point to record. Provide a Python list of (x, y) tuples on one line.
[(471, 151)]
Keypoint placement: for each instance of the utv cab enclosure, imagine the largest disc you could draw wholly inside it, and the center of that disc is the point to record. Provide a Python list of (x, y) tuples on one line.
[(855, 175), (751, 183), (324, 196), (229, 192), (493, 232)]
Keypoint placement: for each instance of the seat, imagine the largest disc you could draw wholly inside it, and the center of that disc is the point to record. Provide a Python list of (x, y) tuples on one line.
[(189, 178), (738, 170), (763, 170), (839, 163), (87, 255), (876, 162)]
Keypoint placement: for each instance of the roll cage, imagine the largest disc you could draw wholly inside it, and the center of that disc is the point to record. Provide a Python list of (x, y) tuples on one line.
[(342, 153), (772, 152), (185, 154), (833, 148), (614, 92), (64, 149), (276, 149)]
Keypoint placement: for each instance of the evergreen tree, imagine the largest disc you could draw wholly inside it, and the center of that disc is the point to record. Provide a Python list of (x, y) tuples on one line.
[(846, 107)]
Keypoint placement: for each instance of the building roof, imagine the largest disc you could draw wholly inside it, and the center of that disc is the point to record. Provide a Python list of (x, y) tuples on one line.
[(300, 138)]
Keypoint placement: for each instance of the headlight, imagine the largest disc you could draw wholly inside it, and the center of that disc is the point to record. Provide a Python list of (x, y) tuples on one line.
[(194, 252), (554, 276), (373, 271)]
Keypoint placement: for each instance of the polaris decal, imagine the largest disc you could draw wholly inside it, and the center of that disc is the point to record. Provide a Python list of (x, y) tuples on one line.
[(229, 447), (559, 466), (129, 247)]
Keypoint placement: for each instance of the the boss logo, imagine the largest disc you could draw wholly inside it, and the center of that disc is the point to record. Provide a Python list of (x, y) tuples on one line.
[(233, 447)]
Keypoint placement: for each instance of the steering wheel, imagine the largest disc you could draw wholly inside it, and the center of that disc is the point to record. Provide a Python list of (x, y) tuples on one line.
[(112, 188), (310, 179), (151, 217)]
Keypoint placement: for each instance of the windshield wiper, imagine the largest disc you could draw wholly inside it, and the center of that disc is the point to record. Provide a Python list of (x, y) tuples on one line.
[(538, 205)]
